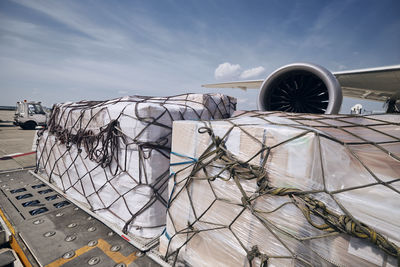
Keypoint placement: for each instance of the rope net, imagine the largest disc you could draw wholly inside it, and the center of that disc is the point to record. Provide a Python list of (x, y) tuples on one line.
[(281, 189), (113, 156)]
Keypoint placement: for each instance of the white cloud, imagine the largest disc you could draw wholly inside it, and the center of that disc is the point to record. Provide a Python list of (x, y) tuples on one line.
[(227, 71), (72, 50), (253, 72)]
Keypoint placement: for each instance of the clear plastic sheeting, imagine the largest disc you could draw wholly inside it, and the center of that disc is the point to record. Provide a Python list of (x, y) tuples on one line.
[(284, 190), (113, 156)]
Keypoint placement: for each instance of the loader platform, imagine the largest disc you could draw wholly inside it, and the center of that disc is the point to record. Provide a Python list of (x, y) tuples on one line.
[(46, 229)]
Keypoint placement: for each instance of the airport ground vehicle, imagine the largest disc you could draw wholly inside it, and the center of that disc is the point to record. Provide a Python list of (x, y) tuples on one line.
[(30, 114), (40, 217)]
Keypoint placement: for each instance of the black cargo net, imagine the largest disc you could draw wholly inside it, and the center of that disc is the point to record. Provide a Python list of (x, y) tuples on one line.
[(114, 155), (306, 224)]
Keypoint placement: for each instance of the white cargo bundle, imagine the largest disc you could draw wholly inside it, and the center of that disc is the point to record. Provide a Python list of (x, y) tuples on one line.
[(285, 190), (113, 156)]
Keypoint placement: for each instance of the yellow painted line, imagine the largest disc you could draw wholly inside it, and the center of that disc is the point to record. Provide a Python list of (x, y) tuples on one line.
[(117, 257), (15, 246), (78, 252), (13, 242), (7, 222)]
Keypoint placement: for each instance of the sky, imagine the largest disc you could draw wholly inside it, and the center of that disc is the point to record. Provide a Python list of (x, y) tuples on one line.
[(58, 51)]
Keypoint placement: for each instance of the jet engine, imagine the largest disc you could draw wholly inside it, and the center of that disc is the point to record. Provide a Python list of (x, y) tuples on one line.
[(301, 88)]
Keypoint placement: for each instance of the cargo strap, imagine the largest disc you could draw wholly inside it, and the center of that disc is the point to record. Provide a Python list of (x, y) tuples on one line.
[(333, 223)]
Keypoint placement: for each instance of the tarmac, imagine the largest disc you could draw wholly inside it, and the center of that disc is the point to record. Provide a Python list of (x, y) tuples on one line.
[(14, 140)]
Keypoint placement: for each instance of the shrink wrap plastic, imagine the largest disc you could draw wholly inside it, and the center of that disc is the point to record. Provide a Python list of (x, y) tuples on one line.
[(113, 156), (349, 163)]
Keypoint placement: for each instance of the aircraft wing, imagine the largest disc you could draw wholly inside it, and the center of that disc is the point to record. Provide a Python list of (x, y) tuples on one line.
[(244, 85), (375, 83)]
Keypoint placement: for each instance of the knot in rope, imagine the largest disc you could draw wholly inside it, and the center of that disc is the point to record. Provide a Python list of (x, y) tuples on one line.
[(255, 253), (216, 139)]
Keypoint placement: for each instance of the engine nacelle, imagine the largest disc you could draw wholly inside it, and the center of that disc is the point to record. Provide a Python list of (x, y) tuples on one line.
[(301, 88)]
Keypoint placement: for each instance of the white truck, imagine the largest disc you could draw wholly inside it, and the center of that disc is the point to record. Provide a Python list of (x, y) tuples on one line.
[(30, 114)]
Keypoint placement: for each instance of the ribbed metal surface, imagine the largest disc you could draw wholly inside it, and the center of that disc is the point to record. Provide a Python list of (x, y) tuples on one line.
[(55, 232)]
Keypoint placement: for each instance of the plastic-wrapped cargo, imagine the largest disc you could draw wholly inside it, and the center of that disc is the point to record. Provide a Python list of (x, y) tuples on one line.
[(286, 190), (113, 156)]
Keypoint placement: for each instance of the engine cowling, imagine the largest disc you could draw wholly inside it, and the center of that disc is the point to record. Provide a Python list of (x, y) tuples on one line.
[(301, 88)]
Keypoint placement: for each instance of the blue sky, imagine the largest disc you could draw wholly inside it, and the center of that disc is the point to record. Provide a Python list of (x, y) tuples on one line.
[(57, 51)]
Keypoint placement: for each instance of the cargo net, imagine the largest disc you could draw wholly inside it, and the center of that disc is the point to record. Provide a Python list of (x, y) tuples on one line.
[(258, 207), (113, 156)]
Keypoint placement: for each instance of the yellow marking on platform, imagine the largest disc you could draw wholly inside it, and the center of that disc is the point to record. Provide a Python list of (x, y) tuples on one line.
[(117, 257), (16, 247), (13, 242), (78, 252), (7, 222)]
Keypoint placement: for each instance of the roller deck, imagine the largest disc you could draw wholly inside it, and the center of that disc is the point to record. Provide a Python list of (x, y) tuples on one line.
[(46, 229)]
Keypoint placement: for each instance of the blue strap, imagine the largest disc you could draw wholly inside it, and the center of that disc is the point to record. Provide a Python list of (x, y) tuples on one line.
[(169, 200), (193, 160), (164, 232), (172, 192), (182, 163), (167, 235)]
